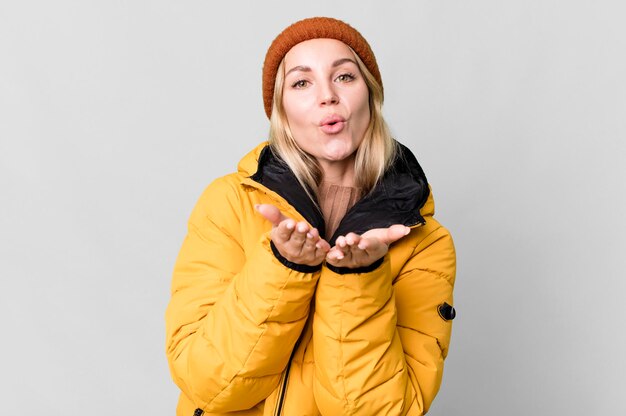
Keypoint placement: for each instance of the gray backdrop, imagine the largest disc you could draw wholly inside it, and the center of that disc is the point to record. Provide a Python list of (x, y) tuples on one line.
[(115, 115)]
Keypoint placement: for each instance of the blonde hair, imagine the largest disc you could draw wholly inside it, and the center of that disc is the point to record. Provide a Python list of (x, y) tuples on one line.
[(373, 157)]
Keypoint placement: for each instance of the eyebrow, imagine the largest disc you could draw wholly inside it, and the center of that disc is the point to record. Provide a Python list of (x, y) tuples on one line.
[(303, 68)]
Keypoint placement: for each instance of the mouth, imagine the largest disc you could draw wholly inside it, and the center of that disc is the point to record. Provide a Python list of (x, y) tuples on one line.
[(332, 120), (332, 124)]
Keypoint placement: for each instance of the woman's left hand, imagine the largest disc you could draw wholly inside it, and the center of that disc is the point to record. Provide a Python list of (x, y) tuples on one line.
[(353, 250)]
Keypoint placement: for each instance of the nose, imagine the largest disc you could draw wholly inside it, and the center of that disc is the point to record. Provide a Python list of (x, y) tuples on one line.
[(329, 99), (328, 95)]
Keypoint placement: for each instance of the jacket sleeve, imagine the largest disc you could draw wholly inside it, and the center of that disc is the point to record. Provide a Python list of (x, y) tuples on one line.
[(379, 335), (234, 315)]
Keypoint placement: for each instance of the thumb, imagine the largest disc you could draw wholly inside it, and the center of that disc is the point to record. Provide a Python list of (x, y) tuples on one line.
[(271, 213), (394, 233)]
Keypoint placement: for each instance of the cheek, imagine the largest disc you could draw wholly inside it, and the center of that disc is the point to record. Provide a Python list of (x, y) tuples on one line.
[(294, 110), (362, 107)]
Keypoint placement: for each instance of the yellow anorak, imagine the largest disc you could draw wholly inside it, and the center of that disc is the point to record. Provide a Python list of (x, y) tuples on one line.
[(250, 334)]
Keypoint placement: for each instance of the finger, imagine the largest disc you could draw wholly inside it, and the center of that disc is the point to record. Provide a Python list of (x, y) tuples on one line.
[(309, 242), (323, 245), (339, 258), (333, 261), (298, 236), (314, 236), (373, 247), (284, 230), (321, 249), (334, 254), (352, 239), (394, 233), (271, 213), (313, 233), (341, 247), (310, 250), (359, 257), (366, 243)]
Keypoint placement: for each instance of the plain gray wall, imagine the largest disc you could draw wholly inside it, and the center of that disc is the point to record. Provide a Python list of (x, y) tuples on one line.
[(115, 115)]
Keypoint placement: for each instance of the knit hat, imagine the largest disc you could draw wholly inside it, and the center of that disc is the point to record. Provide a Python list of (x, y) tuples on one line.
[(307, 29)]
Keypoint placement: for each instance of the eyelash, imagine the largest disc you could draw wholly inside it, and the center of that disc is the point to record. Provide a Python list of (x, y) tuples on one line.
[(301, 83), (351, 77)]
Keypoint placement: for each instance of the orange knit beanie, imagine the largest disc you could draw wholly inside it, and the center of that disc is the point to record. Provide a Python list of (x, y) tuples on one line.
[(312, 28)]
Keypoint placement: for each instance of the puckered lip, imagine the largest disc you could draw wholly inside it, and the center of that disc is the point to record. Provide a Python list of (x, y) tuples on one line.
[(332, 119)]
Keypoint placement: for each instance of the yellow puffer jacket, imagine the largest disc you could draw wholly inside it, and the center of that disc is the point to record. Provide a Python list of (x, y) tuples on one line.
[(250, 334)]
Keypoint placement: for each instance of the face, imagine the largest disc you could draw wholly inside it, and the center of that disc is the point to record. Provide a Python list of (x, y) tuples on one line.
[(326, 100)]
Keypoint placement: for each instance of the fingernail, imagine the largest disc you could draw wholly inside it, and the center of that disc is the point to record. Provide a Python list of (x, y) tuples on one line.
[(361, 246), (407, 231), (309, 235), (290, 225)]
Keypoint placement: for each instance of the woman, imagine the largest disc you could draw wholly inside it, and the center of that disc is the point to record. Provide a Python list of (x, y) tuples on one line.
[(315, 279)]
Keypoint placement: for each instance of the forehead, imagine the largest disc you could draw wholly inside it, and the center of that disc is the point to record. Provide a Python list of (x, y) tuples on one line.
[(316, 51)]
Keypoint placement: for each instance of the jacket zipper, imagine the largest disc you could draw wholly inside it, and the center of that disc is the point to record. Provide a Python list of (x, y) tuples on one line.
[(283, 389), (281, 394), (285, 380)]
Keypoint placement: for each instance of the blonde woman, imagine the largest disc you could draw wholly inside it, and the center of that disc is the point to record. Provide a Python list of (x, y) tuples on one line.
[(314, 280)]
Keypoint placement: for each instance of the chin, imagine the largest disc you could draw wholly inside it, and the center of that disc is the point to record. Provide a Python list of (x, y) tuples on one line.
[(338, 157), (339, 150)]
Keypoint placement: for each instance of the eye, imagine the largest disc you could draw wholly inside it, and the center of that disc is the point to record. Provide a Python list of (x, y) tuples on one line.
[(300, 84), (347, 77)]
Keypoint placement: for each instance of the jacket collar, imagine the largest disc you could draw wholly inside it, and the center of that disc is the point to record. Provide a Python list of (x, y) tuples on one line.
[(397, 199)]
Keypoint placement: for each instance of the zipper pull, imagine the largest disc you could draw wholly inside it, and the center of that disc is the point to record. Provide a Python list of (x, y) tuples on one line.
[(198, 412)]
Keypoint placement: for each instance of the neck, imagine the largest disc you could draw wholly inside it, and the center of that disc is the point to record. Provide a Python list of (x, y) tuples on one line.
[(338, 173)]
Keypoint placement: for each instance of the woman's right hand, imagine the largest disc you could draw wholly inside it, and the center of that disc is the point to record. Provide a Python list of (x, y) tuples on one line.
[(298, 242)]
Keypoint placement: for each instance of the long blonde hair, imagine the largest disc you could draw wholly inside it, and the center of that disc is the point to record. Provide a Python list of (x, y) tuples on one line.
[(373, 157)]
